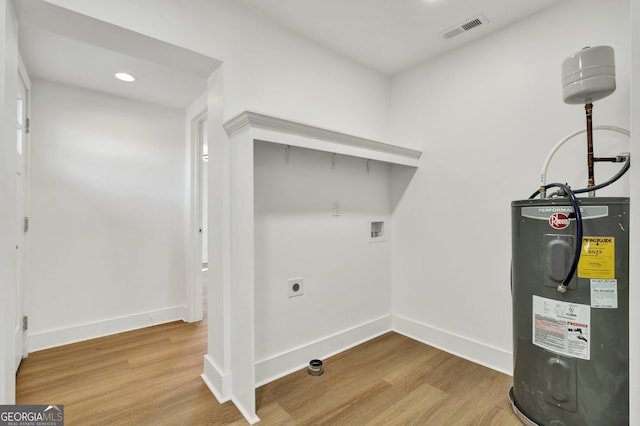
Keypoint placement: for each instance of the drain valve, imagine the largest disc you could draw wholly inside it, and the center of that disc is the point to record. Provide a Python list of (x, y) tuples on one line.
[(315, 367)]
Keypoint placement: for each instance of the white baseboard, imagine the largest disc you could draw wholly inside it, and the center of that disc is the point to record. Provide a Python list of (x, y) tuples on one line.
[(287, 362), (77, 333), (218, 382), (480, 353), (248, 415)]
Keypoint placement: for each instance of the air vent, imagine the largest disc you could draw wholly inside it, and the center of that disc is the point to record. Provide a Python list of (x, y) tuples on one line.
[(471, 24), (467, 25)]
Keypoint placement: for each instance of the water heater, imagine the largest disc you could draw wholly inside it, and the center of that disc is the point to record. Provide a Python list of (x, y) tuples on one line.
[(570, 282), (571, 350)]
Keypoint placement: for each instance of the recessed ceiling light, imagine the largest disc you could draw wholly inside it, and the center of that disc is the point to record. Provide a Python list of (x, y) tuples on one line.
[(125, 77)]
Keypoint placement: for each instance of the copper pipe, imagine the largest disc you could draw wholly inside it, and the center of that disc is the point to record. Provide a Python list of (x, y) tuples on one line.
[(588, 109)]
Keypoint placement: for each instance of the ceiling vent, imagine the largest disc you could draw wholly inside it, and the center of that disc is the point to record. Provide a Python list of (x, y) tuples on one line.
[(467, 25)]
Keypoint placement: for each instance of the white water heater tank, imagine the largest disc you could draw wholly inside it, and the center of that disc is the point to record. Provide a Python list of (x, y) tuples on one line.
[(588, 75)]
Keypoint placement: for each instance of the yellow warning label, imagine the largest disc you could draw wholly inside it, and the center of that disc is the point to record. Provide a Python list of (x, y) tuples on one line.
[(597, 259)]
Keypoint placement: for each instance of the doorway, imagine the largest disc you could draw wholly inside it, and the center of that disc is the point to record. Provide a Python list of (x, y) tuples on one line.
[(169, 77), (136, 236)]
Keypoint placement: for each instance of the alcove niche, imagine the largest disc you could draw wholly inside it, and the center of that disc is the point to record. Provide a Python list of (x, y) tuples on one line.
[(302, 201)]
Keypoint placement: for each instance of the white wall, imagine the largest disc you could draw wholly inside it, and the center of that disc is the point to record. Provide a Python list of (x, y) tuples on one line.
[(346, 284), (486, 116), (107, 215), (8, 272), (267, 68)]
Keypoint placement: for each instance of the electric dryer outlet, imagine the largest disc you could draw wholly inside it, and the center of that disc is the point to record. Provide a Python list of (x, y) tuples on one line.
[(296, 287)]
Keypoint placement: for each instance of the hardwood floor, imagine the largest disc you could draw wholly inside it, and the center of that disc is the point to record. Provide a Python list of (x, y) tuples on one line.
[(152, 377)]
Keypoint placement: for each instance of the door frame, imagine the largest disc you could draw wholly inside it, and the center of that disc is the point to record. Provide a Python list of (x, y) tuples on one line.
[(195, 116), (21, 350)]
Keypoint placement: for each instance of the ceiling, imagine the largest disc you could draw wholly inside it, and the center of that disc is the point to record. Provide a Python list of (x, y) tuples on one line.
[(69, 48), (392, 35), (386, 35)]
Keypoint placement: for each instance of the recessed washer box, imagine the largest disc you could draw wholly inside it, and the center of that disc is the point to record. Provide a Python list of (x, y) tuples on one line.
[(376, 231)]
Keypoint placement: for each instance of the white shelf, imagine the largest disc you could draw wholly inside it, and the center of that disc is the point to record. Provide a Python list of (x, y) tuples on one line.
[(281, 131)]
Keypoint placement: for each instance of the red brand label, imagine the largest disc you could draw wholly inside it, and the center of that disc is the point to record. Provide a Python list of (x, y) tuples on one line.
[(559, 220)]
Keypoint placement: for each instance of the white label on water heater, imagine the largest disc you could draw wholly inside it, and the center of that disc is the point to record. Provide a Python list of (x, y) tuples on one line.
[(604, 294), (562, 327)]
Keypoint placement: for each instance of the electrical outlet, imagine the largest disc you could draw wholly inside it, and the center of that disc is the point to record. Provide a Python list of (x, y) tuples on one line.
[(296, 287)]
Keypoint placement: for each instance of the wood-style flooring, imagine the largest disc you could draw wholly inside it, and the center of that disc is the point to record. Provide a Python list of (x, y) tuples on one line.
[(152, 377)]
